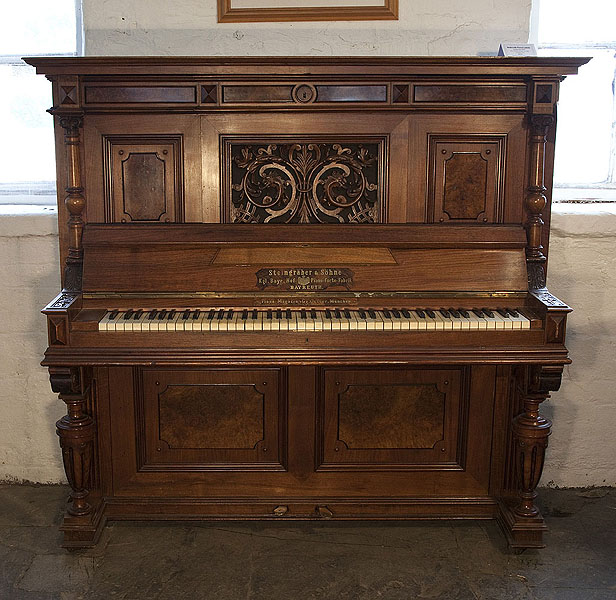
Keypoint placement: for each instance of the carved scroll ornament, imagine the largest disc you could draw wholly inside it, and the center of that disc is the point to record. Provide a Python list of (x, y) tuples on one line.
[(304, 183)]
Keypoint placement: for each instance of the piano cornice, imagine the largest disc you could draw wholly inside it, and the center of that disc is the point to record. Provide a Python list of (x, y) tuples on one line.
[(266, 65)]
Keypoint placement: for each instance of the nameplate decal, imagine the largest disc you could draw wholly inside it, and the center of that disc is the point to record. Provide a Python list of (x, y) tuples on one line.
[(302, 279)]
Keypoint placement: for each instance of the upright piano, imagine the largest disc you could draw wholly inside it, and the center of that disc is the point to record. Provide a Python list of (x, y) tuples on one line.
[(304, 288)]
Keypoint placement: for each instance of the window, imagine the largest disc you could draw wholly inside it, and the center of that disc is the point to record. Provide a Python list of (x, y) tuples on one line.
[(36, 27), (585, 160)]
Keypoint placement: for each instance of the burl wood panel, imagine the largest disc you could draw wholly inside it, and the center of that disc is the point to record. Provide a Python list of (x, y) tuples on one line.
[(391, 416), (211, 416)]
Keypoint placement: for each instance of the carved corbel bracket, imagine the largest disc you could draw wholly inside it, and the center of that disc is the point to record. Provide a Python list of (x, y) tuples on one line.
[(531, 431), (76, 431)]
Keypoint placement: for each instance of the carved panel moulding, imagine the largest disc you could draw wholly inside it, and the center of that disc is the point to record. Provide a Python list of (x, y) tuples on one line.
[(250, 11), (466, 180), (143, 178), (304, 181)]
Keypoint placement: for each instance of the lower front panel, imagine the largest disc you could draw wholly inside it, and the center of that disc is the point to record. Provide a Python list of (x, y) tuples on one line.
[(359, 441)]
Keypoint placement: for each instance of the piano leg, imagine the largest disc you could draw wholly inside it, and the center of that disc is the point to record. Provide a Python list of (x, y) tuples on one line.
[(522, 520), (77, 433)]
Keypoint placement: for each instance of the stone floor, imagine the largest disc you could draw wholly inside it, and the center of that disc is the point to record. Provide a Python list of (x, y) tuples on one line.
[(304, 561)]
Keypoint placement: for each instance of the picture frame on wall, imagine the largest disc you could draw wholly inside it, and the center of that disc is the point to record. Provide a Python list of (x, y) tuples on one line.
[(253, 11)]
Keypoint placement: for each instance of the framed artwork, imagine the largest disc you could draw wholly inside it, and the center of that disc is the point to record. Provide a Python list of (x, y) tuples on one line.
[(252, 11)]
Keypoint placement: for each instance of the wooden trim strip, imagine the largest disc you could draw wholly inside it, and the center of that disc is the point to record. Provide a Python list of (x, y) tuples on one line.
[(228, 14)]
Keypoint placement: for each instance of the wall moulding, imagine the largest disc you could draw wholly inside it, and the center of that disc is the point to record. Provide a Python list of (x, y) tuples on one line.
[(253, 11)]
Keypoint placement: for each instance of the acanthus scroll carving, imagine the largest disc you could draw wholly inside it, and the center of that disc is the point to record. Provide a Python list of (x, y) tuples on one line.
[(305, 183)]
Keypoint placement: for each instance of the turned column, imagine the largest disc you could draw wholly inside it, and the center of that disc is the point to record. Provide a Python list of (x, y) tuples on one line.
[(531, 431), (76, 431), (75, 202), (536, 200)]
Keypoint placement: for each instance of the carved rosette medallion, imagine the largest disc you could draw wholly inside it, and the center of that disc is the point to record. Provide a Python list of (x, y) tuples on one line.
[(305, 182)]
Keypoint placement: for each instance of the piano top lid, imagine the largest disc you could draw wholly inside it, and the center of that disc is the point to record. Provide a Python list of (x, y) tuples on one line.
[(307, 65)]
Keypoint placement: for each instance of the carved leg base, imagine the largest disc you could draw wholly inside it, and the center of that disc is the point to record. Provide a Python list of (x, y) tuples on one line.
[(521, 532), (84, 531)]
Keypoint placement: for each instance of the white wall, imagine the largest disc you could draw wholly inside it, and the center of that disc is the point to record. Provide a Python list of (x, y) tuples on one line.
[(189, 27), (29, 276), (582, 257)]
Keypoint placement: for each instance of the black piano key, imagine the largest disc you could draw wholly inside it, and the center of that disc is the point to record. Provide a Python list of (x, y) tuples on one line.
[(431, 313), (464, 313), (211, 314), (113, 314), (478, 312), (171, 315), (362, 314), (288, 314), (328, 313), (454, 313), (420, 313), (152, 315), (405, 313), (278, 314), (372, 313), (302, 314), (244, 314), (502, 312), (444, 312), (230, 315), (186, 314), (195, 315), (137, 315), (347, 313), (396, 313), (488, 313), (386, 313), (313, 313), (162, 314), (513, 312), (337, 314), (128, 314), (269, 315), (221, 314), (255, 314)]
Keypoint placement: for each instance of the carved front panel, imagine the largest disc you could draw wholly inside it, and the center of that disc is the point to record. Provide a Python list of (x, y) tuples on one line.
[(467, 179), (392, 419), (143, 179), (303, 181), (210, 419)]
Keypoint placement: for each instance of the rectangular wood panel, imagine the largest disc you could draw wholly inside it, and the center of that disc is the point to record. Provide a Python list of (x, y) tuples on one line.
[(392, 419), (204, 419)]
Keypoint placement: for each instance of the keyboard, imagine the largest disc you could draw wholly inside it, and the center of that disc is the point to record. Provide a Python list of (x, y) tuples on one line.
[(309, 319)]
